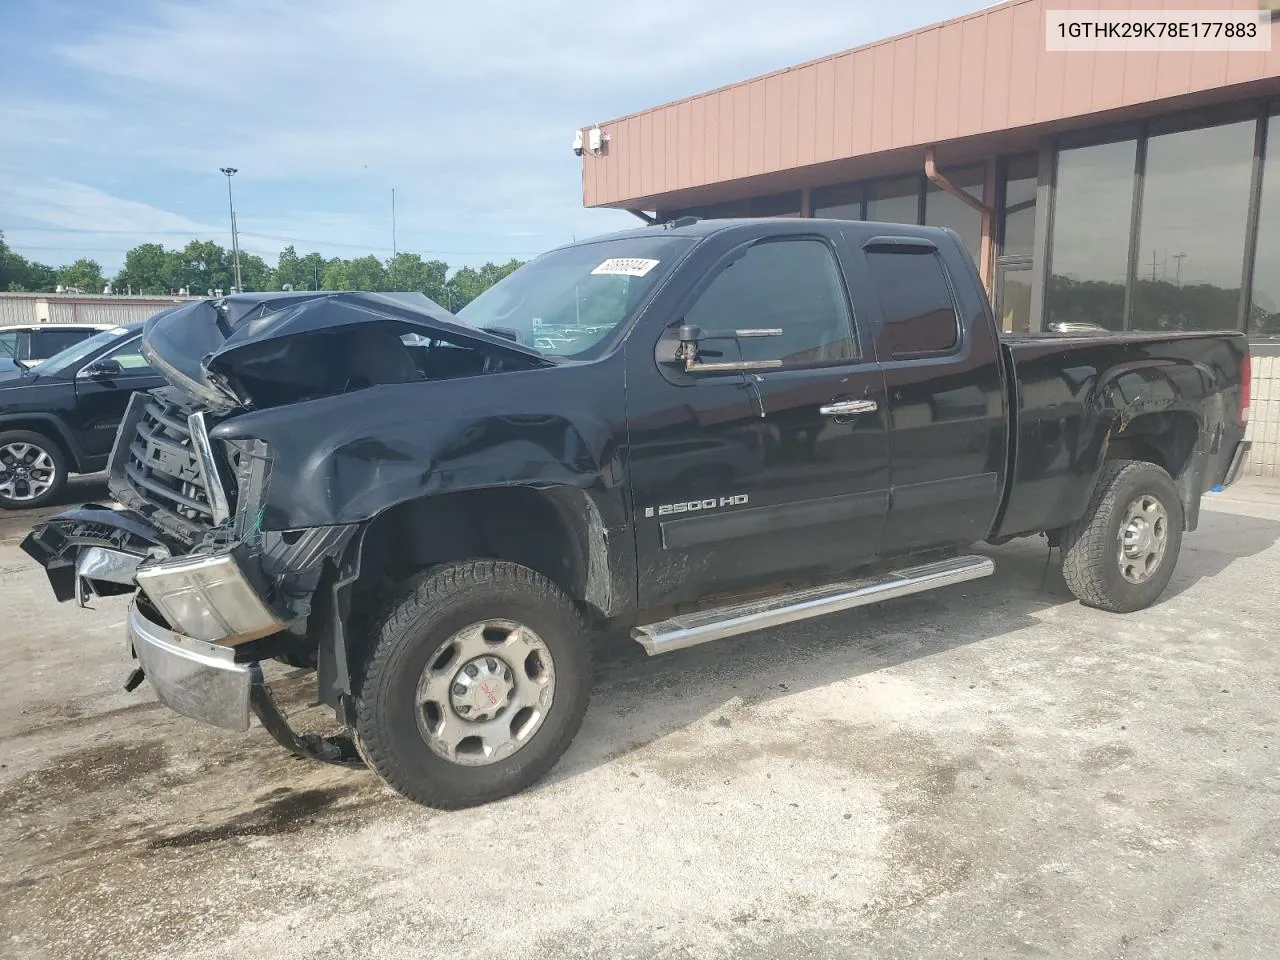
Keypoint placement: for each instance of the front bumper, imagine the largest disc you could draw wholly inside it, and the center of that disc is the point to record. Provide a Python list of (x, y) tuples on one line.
[(203, 681), (197, 679)]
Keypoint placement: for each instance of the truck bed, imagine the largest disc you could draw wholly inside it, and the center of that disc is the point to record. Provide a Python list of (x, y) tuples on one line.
[(1174, 397)]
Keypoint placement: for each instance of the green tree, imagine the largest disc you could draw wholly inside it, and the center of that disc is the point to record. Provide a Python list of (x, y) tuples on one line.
[(409, 272), (366, 273), (335, 275), (203, 266), (84, 274), (299, 273), (463, 287), (150, 268), (312, 271), (255, 274), (289, 270), (467, 283), (18, 274)]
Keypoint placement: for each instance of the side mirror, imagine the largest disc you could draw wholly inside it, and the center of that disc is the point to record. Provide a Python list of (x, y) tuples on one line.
[(681, 346), (104, 369)]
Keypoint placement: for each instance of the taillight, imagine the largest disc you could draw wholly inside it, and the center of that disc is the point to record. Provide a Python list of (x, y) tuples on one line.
[(1246, 390)]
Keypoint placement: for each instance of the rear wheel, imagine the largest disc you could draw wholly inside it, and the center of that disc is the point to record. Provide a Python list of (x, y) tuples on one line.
[(1120, 555), (32, 469), (476, 682)]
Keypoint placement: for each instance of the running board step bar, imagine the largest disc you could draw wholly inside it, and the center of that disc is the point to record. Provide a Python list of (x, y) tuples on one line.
[(691, 629)]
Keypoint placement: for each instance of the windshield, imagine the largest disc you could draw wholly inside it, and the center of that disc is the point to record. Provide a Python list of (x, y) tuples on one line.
[(568, 302), (70, 357)]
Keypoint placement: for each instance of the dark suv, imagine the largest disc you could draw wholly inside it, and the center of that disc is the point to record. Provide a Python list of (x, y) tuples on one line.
[(60, 417)]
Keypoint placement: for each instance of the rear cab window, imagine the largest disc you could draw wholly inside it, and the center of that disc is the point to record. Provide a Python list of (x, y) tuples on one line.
[(916, 301)]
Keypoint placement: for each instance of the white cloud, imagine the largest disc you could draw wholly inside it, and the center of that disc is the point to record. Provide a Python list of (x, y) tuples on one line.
[(324, 105), (62, 203)]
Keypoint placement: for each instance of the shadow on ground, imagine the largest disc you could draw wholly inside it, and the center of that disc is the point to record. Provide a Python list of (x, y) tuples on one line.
[(658, 696)]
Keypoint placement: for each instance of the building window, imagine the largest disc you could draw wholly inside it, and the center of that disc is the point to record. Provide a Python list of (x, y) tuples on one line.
[(1017, 235), (715, 211), (842, 202), (776, 205), (941, 209), (1191, 240), (1264, 310), (1089, 250), (793, 285), (894, 201)]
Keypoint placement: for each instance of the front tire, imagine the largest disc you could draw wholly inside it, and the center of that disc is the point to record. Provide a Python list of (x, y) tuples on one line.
[(1120, 555), (33, 469), (475, 684)]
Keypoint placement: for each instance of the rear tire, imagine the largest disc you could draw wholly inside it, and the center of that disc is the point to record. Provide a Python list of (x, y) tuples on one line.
[(475, 683), (1120, 555), (33, 469)]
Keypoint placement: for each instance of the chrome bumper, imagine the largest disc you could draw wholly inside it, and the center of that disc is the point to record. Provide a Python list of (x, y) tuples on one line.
[(197, 679)]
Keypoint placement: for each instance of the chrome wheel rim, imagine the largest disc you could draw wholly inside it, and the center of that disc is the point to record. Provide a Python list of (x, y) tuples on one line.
[(26, 471), (485, 692), (1144, 536)]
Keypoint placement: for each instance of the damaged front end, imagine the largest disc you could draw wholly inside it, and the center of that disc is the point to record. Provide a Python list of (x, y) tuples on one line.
[(216, 594), (219, 591)]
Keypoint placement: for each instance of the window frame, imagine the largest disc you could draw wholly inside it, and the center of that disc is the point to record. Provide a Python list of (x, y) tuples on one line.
[(732, 256)]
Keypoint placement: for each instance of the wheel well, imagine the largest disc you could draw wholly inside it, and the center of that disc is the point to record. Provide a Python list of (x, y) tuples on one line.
[(520, 524), (48, 431), (1166, 439)]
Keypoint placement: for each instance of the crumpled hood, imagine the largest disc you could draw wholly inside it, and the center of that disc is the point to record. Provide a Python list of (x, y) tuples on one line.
[(198, 345)]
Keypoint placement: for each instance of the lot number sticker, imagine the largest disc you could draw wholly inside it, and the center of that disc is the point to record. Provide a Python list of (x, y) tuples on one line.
[(625, 267)]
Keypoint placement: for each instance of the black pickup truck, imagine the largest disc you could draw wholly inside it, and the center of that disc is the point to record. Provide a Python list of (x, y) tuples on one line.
[(729, 425)]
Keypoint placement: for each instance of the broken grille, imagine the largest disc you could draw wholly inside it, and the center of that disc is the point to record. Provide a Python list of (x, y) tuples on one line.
[(162, 466)]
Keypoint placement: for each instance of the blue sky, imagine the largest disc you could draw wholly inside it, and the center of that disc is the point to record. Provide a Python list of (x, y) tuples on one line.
[(116, 115)]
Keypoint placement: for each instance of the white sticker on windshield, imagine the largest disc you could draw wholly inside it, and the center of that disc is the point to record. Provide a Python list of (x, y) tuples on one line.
[(626, 266)]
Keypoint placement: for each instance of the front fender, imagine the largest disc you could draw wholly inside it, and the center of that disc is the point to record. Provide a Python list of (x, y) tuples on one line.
[(348, 459)]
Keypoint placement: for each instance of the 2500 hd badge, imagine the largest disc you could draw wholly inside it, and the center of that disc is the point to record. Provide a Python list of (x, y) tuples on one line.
[(691, 506)]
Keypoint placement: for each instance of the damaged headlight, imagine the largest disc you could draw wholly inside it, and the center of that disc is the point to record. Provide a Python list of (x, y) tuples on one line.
[(208, 598)]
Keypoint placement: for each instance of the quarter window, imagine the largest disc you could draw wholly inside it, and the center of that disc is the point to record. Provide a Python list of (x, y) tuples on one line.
[(792, 285), (919, 311), (47, 343)]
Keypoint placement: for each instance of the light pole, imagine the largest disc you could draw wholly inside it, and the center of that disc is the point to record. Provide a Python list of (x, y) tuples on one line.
[(235, 240)]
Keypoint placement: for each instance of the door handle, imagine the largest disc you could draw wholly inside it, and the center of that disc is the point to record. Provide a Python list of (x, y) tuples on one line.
[(848, 408)]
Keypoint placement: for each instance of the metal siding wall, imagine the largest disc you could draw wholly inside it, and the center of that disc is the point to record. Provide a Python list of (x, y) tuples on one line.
[(981, 73), (52, 309), (16, 310)]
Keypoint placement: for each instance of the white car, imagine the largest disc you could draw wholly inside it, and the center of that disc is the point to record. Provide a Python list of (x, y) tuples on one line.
[(29, 344)]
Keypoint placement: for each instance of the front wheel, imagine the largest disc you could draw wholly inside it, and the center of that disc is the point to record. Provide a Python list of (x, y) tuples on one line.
[(32, 469), (1120, 555), (475, 683)]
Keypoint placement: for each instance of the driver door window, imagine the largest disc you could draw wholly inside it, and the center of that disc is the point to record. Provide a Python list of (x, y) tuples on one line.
[(129, 356), (792, 285)]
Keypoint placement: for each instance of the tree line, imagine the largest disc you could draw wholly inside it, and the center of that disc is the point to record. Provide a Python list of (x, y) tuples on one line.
[(203, 265)]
